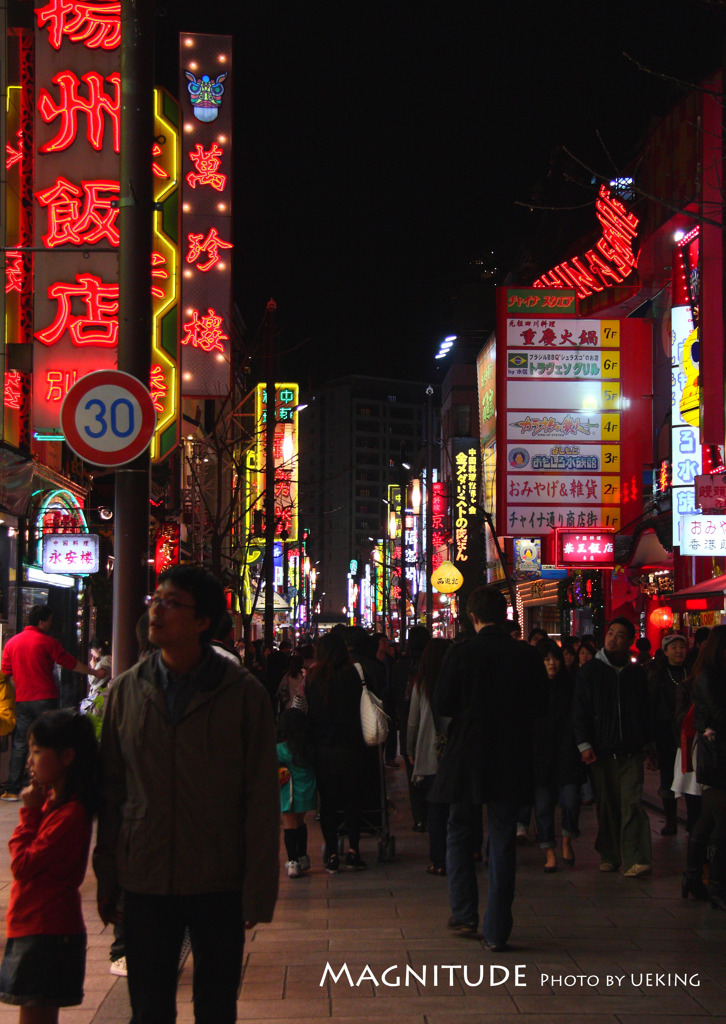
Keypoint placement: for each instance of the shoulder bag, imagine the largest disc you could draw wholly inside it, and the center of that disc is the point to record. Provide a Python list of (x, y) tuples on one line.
[(373, 720)]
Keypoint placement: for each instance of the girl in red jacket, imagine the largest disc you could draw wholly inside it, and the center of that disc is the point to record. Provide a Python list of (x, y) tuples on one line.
[(45, 955)]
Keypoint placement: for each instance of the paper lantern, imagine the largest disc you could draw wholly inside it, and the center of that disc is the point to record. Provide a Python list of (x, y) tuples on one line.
[(662, 618), (447, 578)]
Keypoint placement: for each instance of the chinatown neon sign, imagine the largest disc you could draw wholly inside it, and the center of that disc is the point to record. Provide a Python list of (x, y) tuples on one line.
[(609, 262)]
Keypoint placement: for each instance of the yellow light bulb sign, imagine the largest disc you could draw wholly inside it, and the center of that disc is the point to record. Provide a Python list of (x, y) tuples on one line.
[(447, 578)]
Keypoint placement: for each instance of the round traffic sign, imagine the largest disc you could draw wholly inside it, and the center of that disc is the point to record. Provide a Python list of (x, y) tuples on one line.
[(108, 418)]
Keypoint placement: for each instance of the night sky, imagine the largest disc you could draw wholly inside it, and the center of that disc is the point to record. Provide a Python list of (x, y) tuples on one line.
[(380, 149)]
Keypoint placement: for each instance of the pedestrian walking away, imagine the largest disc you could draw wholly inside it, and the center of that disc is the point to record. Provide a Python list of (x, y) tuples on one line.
[(493, 688)]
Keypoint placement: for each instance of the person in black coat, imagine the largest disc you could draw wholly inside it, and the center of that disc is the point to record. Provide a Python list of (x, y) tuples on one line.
[(664, 680), (492, 687), (709, 698), (558, 768), (613, 731)]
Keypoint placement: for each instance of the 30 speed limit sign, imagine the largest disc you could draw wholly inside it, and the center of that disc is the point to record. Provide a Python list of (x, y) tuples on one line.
[(108, 418)]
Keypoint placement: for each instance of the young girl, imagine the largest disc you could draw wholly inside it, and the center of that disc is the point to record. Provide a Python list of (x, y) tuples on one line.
[(298, 795), (45, 955)]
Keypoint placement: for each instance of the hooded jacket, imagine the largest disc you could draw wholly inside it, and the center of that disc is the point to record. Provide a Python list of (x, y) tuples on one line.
[(611, 713), (191, 807)]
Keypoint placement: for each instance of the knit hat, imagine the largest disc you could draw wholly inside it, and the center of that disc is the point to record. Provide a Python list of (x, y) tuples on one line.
[(671, 637)]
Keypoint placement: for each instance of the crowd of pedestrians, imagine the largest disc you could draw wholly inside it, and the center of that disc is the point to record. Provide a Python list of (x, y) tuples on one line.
[(209, 747)]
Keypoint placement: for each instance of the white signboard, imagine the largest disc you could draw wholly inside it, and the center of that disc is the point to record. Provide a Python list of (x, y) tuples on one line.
[(545, 333), (567, 426), (562, 364), (703, 535), (685, 440), (541, 519), (563, 458), (711, 492), (74, 554), (583, 396), (548, 490)]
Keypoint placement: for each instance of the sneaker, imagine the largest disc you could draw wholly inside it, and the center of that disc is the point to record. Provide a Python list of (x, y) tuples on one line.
[(495, 947), (353, 861), (332, 864), (293, 869), (607, 866), (638, 871), (304, 862), (469, 926), (118, 967), (12, 798)]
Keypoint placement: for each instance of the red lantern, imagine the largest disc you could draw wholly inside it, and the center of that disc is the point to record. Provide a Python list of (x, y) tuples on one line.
[(662, 618)]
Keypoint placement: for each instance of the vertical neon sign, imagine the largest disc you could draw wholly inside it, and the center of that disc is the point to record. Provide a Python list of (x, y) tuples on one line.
[(206, 253)]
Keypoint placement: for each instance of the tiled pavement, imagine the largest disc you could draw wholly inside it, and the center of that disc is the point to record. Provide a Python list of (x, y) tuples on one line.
[(578, 925)]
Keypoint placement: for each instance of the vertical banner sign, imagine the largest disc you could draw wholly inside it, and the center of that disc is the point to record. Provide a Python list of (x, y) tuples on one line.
[(286, 465), (19, 233), (164, 382), (76, 144), (206, 254), (440, 524), (486, 379), (572, 392), (466, 553), (686, 461)]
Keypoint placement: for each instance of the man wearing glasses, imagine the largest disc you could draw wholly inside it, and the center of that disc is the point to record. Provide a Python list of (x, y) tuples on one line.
[(190, 827)]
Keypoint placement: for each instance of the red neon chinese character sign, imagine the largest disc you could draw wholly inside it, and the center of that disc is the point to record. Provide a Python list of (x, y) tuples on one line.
[(15, 153), (207, 163), (204, 332), (158, 387), (59, 383), (14, 273), (96, 107), (209, 245), (70, 223), (98, 327), (13, 393), (96, 25)]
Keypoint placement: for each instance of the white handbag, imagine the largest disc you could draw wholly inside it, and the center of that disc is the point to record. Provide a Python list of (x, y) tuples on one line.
[(373, 719)]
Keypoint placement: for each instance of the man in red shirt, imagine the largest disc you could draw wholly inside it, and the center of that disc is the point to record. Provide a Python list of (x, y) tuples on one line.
[(29, 657)]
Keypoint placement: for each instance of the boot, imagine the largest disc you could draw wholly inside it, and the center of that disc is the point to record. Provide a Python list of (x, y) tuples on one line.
[(717, 878), (692, 881), (671, 821)]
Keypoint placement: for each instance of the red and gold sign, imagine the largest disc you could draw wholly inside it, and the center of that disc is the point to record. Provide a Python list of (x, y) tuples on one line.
[(591, 549)]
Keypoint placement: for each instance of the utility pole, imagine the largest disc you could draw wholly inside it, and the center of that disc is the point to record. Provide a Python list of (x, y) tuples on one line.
[(429, 506), (270, 417), (136, 200)]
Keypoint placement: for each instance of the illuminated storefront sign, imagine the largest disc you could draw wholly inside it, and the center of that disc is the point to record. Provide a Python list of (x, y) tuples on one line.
[(205, 329), (464, 501), (585, 549), (703, 535), (612, 259), (711, 492), (563, 410), (440, 523), (75, 554), (77, 125), (285, 453), (527, 558)]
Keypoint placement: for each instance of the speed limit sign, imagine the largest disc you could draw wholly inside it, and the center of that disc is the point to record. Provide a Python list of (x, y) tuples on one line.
[(108, 418)]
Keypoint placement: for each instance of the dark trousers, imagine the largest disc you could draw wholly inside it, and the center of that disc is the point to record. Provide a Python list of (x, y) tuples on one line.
[(623, 835), (154, 929), (26, 712)]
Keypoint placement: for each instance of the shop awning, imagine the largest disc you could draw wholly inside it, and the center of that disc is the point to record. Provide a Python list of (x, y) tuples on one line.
[(715, 587)]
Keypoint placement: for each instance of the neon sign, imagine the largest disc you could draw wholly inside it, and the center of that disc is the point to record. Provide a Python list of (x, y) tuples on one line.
[(97, 106), (96, 25), (610, 261)]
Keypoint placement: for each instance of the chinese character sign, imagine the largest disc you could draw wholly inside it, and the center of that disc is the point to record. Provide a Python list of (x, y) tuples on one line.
[(74, 554), (285, 454), (703, 535), (464, 500), (207, 246), (76, 143), (585, 548)]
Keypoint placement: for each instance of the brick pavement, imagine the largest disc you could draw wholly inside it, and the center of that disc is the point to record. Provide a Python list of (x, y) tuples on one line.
[(572, 923)]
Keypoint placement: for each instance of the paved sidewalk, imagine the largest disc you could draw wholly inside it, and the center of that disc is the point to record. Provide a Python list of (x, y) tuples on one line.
[(578, 925)]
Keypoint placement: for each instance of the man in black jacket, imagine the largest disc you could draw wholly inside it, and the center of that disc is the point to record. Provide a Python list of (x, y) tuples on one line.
[(492, 687), (612, 730)]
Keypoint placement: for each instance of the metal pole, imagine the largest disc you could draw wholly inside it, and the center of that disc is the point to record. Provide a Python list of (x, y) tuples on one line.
[(269, 565), (429, 505), (131, 518)]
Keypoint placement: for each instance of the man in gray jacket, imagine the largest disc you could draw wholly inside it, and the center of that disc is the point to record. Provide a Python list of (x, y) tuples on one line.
[(190, 826)]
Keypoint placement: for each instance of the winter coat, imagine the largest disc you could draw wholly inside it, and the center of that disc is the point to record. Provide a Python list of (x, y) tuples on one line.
[(194, 807), (557, 760), (709, 698), (493, 688), (611, 711)]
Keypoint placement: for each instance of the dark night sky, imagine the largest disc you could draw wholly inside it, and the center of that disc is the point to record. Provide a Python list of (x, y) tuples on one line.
[(380, 148)]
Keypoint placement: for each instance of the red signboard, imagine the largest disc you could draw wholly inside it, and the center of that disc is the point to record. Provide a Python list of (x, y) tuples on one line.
[(206, 236), (580, 549)]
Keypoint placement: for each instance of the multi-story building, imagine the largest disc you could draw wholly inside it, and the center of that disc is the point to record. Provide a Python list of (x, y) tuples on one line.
[(359, 431)]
